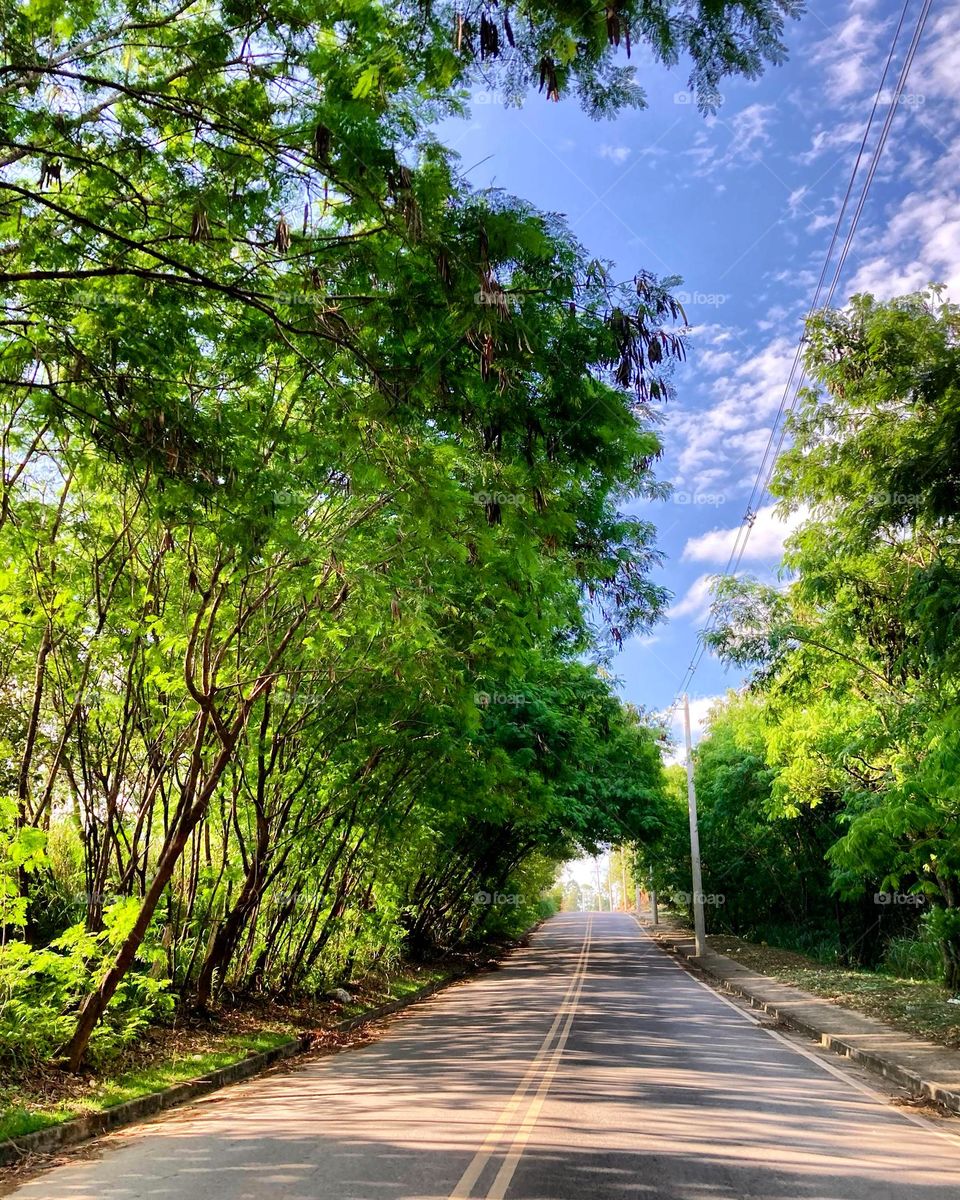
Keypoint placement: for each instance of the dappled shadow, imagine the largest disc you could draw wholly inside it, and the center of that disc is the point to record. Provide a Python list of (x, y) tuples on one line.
[(663, 1093)]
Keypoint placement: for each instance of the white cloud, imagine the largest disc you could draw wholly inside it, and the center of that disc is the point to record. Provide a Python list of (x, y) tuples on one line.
[(918, 244), (696, 601), (849, 54), (765, 542), (749, 134), (617, 154), (747, 388), (833, 137)]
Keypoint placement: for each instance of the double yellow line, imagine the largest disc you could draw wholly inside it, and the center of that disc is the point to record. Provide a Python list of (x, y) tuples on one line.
[(509, 1133)]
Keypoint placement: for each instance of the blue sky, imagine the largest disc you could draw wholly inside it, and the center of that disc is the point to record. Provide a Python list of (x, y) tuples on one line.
[(742, 205)]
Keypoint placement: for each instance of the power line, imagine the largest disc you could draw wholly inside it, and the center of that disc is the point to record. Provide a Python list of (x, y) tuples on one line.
[(780, 424)]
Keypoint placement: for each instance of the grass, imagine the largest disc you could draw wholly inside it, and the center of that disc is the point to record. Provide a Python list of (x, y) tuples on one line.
[(404, 981), (40, 1097), (916, 1006), (108, 1090)]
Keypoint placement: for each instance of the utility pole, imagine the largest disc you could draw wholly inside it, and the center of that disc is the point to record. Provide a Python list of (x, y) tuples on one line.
[(596, 863), (624, 902), (698, 923), (654, 914)]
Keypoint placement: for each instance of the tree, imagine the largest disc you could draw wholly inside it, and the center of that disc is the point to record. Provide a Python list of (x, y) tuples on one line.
[(856, 642), (303, 438)]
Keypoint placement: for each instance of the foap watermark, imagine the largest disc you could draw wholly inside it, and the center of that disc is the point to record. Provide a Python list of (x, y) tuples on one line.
[(701, 499), (501, 498), (510, 699), (690, 98), (712, 899), (705, 299), (510, 899), (899, 899), (898, 498), (907, 99)]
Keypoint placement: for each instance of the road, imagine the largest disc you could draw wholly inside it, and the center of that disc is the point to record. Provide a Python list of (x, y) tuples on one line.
[(590, 1066)]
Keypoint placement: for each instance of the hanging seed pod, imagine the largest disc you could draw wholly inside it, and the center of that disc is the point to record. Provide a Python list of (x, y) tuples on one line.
[(322, 141), (443, 269), (489, 38), (412, 218), (613, 25), (50, 173), (539, 503), (199, 227), (395, 608), (508, 29), (404, 178), (281, 239), (548, 78), (493, 511), (486, 357), (167, 543), (458, 25)]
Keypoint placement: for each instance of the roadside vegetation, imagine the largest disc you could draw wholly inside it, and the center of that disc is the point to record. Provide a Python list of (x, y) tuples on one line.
[(317, 473), (39, 1095), (829, 786), (917, 1006)]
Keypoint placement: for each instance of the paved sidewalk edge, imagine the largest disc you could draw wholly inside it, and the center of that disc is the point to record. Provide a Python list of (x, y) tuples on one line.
[(882, 1064), (91, 1125)]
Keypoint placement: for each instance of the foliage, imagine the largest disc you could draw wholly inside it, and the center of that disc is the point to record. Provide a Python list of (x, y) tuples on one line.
[(857, 667), (308, 447), (40, 988)]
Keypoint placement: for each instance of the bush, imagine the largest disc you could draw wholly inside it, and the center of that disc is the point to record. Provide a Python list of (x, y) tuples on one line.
[(913, 958), (41, 989)]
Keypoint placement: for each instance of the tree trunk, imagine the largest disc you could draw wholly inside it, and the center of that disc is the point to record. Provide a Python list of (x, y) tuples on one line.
[(96, 1002)]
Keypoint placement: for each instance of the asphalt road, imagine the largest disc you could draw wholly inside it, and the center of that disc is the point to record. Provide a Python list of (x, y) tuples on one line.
[(590, 1066)]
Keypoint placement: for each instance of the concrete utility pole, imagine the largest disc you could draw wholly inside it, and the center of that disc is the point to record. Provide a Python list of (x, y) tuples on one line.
[(596, 863), (654, 913), (624, 902), (698, 922)]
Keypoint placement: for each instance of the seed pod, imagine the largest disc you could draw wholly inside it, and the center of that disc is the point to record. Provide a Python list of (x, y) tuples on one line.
[(50, 172), (199, 227), (548, 78), (322, 139), (281, 239), (489, 38), (613, 25), (508, 29)]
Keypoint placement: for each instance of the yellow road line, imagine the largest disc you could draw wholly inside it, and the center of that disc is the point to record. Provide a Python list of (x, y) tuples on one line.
[(468, 1179), (507, 1169)]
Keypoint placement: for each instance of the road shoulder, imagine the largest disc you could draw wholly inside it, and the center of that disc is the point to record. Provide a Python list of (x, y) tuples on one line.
[(921, 1067)]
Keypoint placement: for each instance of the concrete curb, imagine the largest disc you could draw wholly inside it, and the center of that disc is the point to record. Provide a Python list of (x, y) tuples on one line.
[(889, 1065), (81, 1129)]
